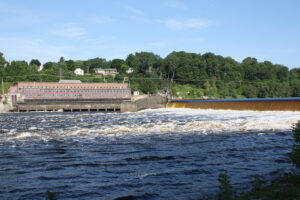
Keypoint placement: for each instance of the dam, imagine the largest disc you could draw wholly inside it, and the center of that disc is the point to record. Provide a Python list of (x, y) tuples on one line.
[(74, 96), (256, 104)]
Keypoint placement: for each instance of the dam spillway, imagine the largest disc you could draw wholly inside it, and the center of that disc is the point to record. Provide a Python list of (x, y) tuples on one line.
[(258, 104)]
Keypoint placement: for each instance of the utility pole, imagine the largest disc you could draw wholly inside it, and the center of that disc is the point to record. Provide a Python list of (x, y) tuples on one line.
[(2, 86), (60, 73)]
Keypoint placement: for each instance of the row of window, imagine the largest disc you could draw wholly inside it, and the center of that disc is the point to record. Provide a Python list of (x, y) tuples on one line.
[(67, 87), (75, 91), (73, 95)]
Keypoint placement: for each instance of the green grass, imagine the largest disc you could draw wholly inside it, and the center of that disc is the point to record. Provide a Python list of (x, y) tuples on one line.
[(187, 91)]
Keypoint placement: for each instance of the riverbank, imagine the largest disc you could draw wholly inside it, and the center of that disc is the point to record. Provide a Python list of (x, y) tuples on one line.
[(286, 187)]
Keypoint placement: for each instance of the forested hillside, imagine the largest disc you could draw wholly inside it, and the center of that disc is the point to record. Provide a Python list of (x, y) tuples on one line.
[(190, 75)]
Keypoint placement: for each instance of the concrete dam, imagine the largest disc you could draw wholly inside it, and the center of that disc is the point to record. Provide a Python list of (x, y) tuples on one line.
[(263, 104)]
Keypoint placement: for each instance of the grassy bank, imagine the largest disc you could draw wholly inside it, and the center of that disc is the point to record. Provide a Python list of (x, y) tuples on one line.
[(286, 187)]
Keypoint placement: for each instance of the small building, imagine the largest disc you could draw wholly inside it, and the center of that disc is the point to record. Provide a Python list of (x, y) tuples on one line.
[(136, 93), (105, 72), (129, 71), (79, 72), (149, 70)]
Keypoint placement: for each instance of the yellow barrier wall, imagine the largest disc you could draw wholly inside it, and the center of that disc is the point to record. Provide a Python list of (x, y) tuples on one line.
[(244, 105)]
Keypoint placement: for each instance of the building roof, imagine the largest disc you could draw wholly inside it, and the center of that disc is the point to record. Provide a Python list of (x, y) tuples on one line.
[(75, 85), (106, 69), (69, 81)]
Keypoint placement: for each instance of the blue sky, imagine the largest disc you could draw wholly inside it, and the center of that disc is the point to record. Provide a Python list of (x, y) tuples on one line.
[(83, 29)]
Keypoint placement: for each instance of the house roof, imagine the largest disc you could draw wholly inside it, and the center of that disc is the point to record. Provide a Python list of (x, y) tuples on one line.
[(105, 69), (77, 85)]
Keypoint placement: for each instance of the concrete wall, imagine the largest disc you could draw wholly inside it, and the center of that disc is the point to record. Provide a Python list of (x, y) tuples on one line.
[(149, 102), (4, 108), (69, 107), (5, 103)]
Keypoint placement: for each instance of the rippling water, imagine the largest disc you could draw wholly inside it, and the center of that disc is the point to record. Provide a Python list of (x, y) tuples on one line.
[(153, 154)]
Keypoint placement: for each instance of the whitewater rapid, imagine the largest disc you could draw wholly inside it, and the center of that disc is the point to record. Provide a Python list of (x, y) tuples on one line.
[(151, 154), (159, 121)]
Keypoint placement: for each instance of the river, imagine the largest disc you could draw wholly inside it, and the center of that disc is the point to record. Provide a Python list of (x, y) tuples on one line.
[(151, 154)]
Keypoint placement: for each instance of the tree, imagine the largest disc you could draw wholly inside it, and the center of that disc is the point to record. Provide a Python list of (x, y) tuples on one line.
[(250, 91), (17, 71), (211, 61), (226, 191), (123, 68), (95, 63), (295, 155), (249, 66), (143, 62), (282, 73), (117, 63), (147, 86), (35, 62), (61, 60), (171, 63), (3, 64), (70, 65), (211, 74), (132, 61), (295, 88), (49, 65)]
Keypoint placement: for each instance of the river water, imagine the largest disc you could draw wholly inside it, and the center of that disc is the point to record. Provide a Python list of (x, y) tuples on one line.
[(152, 154)]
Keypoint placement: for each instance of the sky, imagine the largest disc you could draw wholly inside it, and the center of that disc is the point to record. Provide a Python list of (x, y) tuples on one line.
[(85, 29)]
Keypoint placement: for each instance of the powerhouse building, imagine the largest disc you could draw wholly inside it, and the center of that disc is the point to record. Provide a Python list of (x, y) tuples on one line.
[(68, 91)]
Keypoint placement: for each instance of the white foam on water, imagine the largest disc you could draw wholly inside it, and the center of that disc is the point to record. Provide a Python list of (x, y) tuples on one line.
[(32, 128), (162, 121), (23, 135)]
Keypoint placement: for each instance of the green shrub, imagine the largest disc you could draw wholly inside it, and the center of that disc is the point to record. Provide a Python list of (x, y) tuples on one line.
[(258, 182), (51, 195), (225, 187), (295, 155)]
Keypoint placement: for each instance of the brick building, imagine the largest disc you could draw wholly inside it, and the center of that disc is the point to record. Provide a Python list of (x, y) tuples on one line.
[(68, 91)]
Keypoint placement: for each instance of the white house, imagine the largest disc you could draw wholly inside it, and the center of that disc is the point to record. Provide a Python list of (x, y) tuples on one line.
[(129, 71), (104, 72), (79, 72)]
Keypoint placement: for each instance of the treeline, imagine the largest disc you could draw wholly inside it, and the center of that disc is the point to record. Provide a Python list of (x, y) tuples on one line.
[(189, 74)]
